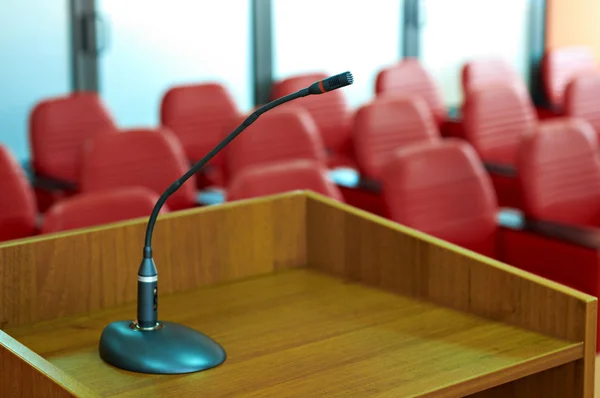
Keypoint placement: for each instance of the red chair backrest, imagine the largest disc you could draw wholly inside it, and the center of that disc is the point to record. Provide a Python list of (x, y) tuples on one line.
[(151, 158), (559, 173), (487, 72), (91, 209), (443, 189), (409, 78), (283, 134), (560, 65), (582, 98), (199, 115), (494, 120), (59, 128), (387, 124), (17, 203), (330, 111), (263, 180)]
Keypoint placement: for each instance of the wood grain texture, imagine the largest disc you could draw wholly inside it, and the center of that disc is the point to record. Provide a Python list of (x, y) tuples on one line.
[(301, 333), (24, 373), (87, 270), (351, 243)]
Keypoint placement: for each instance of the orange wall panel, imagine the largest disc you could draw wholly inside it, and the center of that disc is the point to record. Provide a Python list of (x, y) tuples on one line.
[(572, 23)]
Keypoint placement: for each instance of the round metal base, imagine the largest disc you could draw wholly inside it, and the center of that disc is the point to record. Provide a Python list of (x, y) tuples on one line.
[(168, 349)]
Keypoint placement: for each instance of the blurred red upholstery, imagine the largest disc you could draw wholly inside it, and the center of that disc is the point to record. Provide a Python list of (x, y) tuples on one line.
[(283, 134), (559, 173), (495, 118), (59, 127), (91, 209), (484, 72), (331, 114), (151, 158), (409, 78), (387, 124), (442, 189), (559, 66), (269, 179), (200, 115), (582, 99), (17, 203)]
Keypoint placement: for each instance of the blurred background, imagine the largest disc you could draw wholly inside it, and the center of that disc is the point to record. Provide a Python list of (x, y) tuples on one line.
[(132, 51), (177, 76)]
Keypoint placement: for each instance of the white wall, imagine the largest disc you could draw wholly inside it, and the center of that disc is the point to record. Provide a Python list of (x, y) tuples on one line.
[(34, 63), (460, 30), (334, 36), (153, 44)]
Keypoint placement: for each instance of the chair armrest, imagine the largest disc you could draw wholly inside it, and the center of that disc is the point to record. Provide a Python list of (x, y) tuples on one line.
[(500, 169), (369, 185), (210, 197), (579, 236), (52, 184), (350, 178)]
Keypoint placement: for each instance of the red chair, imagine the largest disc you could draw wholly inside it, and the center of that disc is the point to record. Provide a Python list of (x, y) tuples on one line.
[(58, 129), (494, 120), (18, 210), (387, 124), (87, 210), (151, 158), (270, 179), (443, 190), (484, 72), (409, 78), (559, 173), (200, 115), (330, 112), (287, 133), (581, 99), (559, 66)]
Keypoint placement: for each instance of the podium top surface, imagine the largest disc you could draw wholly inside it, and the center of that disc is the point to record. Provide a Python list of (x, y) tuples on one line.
[(302, 333), (57, 292)]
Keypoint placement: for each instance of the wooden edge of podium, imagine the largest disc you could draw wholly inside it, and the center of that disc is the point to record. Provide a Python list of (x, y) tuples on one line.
[(33, 375), (370, 249)]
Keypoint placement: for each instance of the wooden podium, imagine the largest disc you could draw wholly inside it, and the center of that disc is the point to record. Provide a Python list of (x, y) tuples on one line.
[(307, 296)]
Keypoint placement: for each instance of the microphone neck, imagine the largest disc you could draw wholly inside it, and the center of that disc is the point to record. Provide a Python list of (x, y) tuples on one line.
[(202, 162)]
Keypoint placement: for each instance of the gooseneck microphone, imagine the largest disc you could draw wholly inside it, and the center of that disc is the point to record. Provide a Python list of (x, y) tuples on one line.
[(149, 346)]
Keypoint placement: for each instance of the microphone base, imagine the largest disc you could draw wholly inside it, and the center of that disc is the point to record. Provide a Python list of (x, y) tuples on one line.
[(170, 348)]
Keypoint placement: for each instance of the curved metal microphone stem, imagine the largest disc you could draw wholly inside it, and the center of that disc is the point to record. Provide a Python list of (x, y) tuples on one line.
[(202, 162), (149, 346)]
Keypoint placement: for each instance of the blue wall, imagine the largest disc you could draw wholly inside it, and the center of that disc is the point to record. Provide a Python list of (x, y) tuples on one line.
[(34, 43)]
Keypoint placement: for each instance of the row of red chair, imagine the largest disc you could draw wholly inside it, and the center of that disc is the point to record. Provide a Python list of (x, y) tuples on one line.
[(150, 159), (180, 108), (199, 114), (19, 217)]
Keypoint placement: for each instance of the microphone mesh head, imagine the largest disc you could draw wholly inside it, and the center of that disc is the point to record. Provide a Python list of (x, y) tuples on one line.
[(338, 81)]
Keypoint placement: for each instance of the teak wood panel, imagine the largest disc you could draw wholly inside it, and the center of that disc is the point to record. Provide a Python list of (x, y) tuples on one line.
[(81, 271), (303, 333), (366, 248), (24, 373)]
